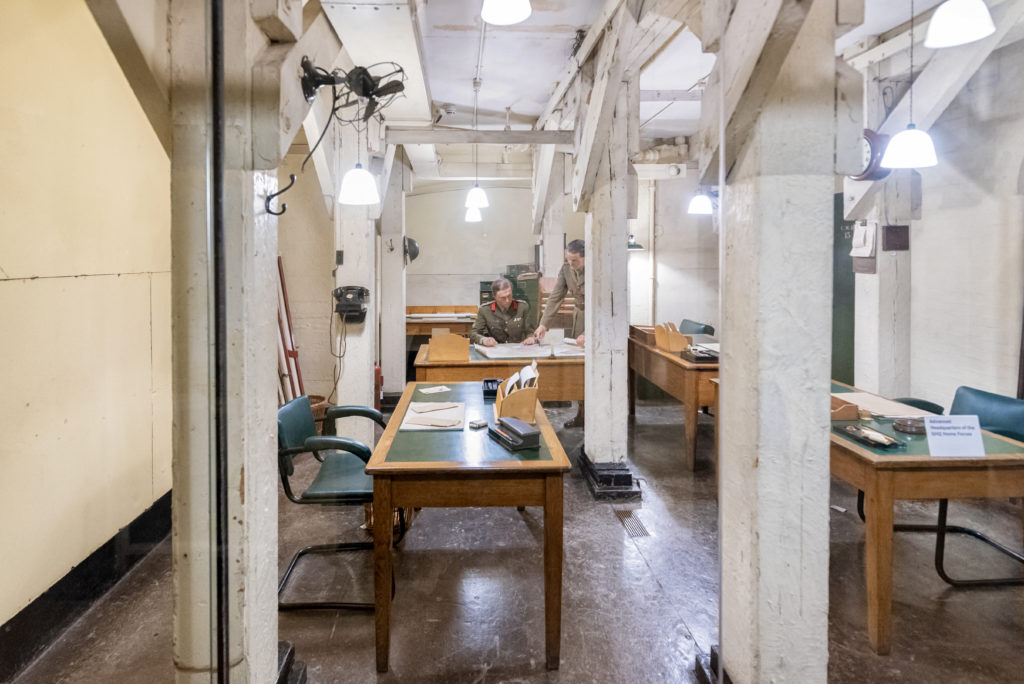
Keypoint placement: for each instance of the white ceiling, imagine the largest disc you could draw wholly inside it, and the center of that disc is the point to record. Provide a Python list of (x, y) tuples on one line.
[(521, 64)]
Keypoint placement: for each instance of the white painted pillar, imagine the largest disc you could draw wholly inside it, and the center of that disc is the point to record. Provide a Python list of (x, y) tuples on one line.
[(392, 280), (882, 325), (553, 228), (607, 307), (776, 338), (251, 246), (355, 236), (881, 351)]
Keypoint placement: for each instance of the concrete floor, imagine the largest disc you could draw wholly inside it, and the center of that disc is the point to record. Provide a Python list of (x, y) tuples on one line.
[(469, 603)]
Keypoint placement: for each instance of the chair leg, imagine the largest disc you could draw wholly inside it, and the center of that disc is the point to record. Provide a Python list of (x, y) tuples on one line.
[(941, 530), (323, 605)]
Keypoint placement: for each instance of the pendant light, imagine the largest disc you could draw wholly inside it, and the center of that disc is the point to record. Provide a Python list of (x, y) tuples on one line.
[(956, 22), (911, 148), (700, 204), (505, 12), (477, 198), (473, 215), (358, 186)]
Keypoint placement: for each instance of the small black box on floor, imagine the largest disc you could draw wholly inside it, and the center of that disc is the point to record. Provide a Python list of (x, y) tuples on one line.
[(608, 481)]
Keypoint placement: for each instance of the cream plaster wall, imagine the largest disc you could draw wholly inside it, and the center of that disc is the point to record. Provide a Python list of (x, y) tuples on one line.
[(85, 298), (686, 256), (306, 245), (967, 251), (454, 255)]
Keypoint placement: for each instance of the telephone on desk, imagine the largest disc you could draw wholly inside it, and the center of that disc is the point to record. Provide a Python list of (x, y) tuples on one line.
[(698, 354), (350, 303)]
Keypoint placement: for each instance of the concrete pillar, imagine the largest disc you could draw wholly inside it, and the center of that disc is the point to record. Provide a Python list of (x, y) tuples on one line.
[(356, 343), (774, 421), (881, 350), (882, 299), (553, 229), (251, 374), (392, 280), (607, 305)]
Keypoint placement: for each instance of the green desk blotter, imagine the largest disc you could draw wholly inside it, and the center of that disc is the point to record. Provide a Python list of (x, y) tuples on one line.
[(458, 446), (916, 445)]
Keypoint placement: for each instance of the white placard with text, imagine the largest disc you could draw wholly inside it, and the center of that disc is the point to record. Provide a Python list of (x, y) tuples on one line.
[(954, 437)]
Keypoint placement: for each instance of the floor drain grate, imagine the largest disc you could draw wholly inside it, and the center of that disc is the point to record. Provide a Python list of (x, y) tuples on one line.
[(634, 528)]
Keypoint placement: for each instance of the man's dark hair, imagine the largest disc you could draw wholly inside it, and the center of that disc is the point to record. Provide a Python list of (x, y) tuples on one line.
[(576, 247), (500, 284)]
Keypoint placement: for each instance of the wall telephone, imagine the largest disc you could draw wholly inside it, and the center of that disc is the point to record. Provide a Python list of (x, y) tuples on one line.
[(350, 303)]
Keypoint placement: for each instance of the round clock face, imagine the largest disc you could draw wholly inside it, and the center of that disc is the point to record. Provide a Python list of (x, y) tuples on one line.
[(872, 148)]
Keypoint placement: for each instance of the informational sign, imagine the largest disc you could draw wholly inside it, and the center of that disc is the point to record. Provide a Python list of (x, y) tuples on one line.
[(954, 437)]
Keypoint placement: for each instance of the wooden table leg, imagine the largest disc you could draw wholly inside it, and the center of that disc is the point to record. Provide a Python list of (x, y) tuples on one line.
[(552, 569), (690, 410), (878, 509), (382, 531)]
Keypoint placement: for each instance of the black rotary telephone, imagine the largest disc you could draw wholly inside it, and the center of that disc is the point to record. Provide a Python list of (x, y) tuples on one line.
[(350, 302)]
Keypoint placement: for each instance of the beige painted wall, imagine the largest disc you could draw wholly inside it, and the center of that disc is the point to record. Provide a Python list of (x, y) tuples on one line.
[(454, 255), (85, 299), (967, 251), (305, 241)]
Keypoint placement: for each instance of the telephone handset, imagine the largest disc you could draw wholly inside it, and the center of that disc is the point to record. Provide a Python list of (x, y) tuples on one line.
[(350, 302)]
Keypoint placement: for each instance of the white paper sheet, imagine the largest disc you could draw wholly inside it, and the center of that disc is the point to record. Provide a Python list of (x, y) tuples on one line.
[(454, 417), (954, 437), (564, 351), (514, 351), (553, 337), (863, 243), (435, 390), (880, 405)]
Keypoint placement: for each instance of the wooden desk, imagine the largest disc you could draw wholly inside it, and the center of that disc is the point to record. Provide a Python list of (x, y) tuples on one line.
[(465, 467), (560, 379), (911, 473), (456, 326), (688, 382)]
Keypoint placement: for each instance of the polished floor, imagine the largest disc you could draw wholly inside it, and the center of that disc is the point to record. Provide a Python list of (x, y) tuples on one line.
[(469, 604)]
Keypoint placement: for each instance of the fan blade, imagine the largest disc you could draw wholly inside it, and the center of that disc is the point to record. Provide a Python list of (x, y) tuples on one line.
[(371, 107), (389, 88), (360, 82)]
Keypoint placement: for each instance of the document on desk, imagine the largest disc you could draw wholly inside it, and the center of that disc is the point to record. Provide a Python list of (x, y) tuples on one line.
[(514, 350), (434, 415), (568, 351), (881, 406)]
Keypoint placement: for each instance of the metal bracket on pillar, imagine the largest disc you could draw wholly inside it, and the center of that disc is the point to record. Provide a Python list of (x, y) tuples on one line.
[(270, 197)]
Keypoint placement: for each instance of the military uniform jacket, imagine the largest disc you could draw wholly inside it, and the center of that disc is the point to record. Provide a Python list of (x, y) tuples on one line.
[(504, 325), (569, 282)]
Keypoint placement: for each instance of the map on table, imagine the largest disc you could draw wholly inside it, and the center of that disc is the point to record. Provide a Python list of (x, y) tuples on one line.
[(514, 351)]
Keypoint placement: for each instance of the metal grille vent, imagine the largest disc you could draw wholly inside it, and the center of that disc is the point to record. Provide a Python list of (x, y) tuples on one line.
[(634, 528)]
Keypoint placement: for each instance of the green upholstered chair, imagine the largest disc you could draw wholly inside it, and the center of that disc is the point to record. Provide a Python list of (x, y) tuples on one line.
[(688, 327), (340, 479)]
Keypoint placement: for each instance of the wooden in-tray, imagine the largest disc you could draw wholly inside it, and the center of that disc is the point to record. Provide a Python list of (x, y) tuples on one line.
[(520, 404), (449, 348), (668, 337), (843, 410)]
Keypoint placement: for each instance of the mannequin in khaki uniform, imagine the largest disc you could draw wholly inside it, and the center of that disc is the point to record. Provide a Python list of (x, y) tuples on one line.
[(570, 282), (503, 320)]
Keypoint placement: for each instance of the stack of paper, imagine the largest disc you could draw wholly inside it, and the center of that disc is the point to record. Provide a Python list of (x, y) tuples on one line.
[(434, 415), (525, 377), (514, 351)]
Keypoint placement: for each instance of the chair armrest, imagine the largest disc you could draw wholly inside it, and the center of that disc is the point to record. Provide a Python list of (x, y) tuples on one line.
[(326, 443), (363, 411)]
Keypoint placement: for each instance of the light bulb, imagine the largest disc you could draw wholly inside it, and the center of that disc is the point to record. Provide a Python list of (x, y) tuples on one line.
[(358, 186), (473, 215), (700, 204), (910, 149), (956, 22), (477, 198), (505, 12)]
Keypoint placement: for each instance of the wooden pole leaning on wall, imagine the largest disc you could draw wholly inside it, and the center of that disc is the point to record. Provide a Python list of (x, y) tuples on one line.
[(288, 355)]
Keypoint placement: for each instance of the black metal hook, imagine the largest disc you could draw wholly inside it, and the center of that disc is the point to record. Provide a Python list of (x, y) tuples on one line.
[(284, 207)]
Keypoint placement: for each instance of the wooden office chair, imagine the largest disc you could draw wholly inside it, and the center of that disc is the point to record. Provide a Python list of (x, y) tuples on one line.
[(688, 327), (996, 413), (340, 480)]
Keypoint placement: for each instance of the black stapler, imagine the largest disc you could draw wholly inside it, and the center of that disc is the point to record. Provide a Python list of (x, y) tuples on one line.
[(514, 434)]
